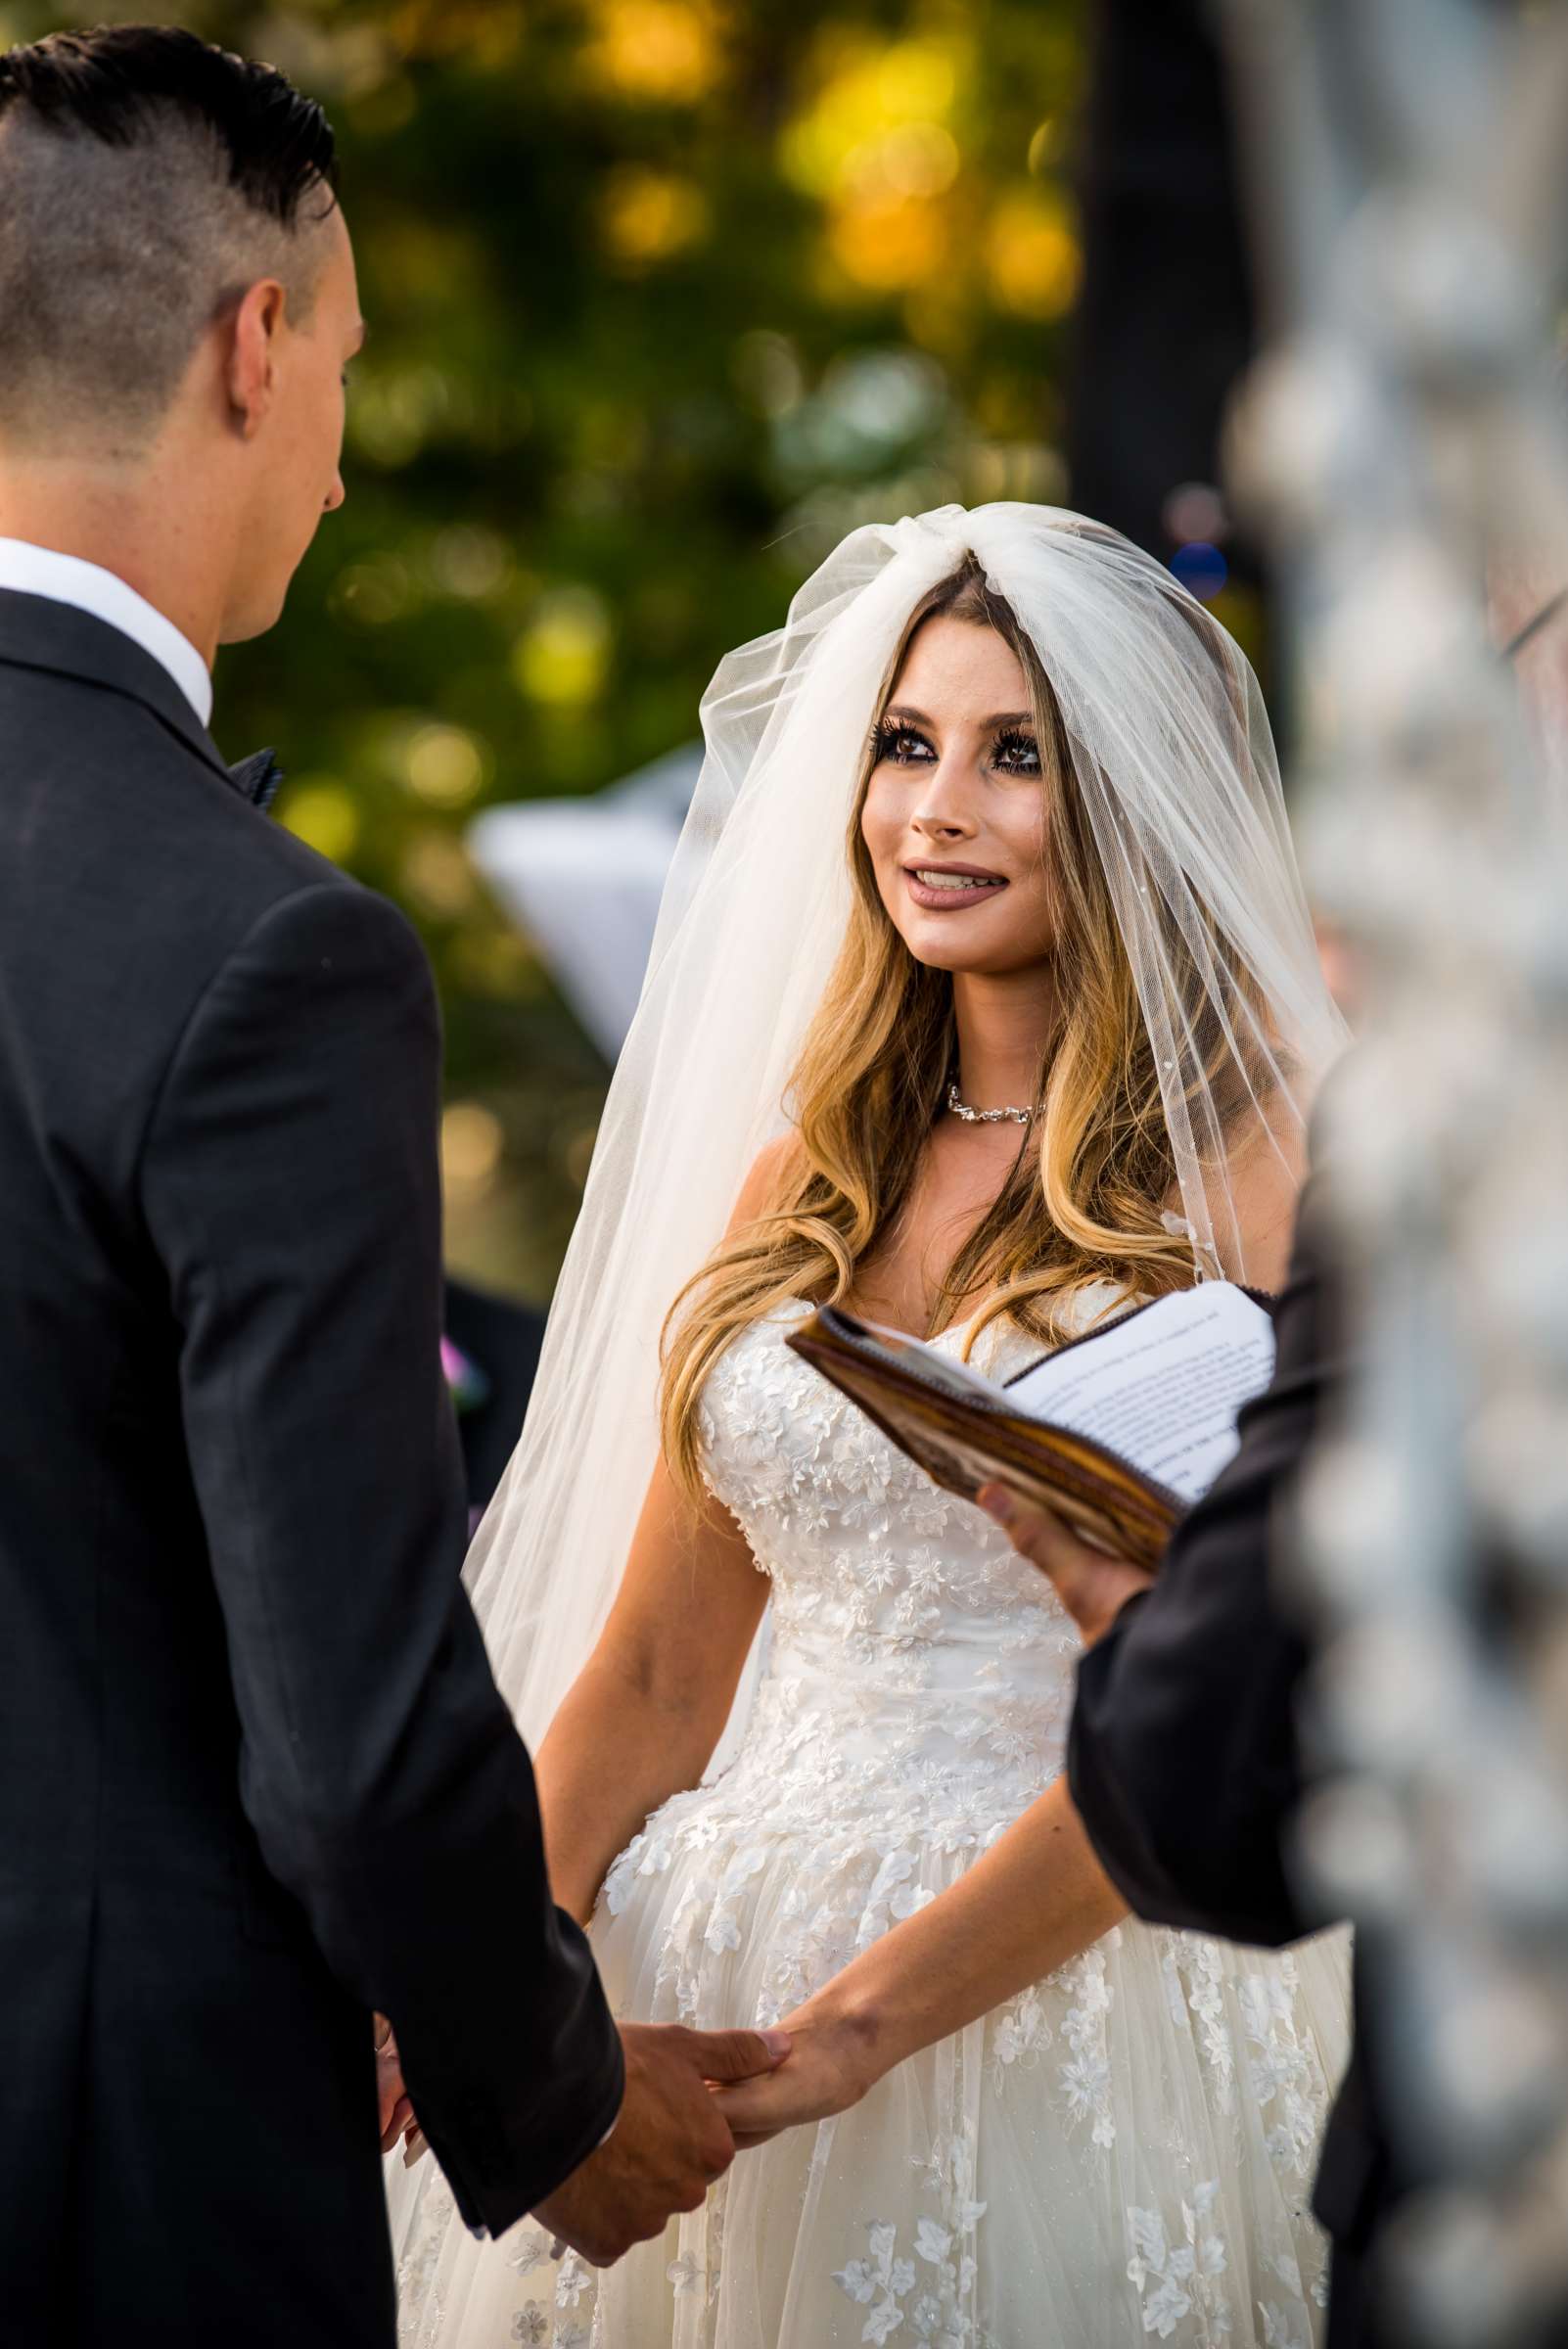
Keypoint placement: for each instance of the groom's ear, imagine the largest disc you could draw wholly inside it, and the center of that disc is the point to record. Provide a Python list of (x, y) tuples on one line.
[(251, 362)]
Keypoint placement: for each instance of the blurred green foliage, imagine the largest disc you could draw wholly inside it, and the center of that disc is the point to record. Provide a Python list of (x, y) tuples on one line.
[(664, 296)]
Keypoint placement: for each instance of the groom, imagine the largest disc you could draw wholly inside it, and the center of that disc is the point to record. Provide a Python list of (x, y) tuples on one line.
[(256, 1780)]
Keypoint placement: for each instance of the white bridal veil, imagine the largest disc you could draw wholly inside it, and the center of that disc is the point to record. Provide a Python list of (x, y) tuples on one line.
[(1173, 760)]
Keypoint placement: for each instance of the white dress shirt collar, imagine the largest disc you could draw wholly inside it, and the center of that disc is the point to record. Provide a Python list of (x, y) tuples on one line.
[(67, 579)]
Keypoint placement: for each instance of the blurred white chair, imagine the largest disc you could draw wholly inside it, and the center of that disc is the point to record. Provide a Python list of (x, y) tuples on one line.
[(583, 878)]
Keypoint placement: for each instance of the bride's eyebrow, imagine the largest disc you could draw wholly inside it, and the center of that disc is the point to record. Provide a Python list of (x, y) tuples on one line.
[(904, 715)]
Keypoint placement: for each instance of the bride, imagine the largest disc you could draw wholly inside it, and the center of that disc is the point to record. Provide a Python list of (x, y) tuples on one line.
[(983, 998)]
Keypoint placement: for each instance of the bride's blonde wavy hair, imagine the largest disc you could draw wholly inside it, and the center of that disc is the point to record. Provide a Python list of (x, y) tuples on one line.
[(1087, 1199)]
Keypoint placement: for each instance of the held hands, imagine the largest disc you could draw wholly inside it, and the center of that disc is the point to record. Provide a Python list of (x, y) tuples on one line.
[(832, 2063), (1092, 1585), (669, 2144), (670, 2141)]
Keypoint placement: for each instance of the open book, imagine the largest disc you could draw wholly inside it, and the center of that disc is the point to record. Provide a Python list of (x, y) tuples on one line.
[(1119, 1431)]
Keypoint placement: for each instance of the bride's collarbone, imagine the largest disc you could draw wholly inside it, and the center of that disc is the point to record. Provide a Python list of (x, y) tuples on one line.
[(904, 1295), (902, 1282)]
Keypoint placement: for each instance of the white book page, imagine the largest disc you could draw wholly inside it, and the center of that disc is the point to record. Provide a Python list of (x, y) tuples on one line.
[(1163, 1388), (937, 1368)]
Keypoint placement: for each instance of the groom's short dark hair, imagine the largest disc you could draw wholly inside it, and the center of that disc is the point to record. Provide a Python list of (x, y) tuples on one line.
[(146, 178)]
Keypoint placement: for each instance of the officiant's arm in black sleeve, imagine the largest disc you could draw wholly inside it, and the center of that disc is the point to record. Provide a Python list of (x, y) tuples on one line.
[(1182, 1757), (290, 1184)]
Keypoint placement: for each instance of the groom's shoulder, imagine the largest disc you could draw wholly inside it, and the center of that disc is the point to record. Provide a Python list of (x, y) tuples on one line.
[(177, 857), (267, 912), (134, 873)]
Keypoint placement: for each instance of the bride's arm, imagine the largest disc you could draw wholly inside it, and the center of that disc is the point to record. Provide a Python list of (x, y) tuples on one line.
[(644, 1714), (1034, 1899), (649, 1706)]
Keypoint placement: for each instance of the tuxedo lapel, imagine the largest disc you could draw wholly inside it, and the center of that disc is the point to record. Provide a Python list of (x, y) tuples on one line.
[(36, 632)]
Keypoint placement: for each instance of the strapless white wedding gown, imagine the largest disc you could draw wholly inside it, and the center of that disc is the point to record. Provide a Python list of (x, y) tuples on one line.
[(1125, 2149)]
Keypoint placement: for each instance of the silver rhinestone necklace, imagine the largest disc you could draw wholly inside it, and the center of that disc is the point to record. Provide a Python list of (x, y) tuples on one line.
[(984, 1117)]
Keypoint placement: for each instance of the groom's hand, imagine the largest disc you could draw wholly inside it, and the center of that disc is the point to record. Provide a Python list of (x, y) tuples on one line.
[(397, 2112), (1092, 1585), (669, 2143)]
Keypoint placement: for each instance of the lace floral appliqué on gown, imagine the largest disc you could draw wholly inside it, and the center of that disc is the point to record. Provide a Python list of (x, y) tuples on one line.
[(1123, 2149)]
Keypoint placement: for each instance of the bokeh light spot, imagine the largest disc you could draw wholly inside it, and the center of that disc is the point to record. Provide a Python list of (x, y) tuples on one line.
[(916, 159), (1033, 258), (1043, 146), (446, 765), (870, 90), (648, 216), (766, 371), (323, 816), (655, 52), (472, 1145), (563, 656), (887, 244), (470, 562), (1196, 510), (435, 873), (1202, 569)]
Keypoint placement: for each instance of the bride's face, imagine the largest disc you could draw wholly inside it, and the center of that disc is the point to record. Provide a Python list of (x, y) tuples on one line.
[(955, 813)]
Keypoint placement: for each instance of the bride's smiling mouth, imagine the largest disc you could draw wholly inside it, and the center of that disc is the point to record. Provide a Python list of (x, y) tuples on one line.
[(949, 888)]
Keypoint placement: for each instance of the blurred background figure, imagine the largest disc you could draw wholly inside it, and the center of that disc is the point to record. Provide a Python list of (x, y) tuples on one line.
[(1166, 315)]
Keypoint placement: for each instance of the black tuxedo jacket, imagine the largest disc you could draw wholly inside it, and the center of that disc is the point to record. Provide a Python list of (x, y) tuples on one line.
[(1184, 1757), (255, 1778)]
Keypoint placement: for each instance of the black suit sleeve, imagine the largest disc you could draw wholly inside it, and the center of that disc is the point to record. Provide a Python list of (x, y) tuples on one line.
[(1184, 1759), (290, 1184)]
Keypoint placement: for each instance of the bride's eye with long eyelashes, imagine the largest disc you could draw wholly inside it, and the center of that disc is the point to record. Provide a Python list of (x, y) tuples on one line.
[(1016, 753), (900, 744)]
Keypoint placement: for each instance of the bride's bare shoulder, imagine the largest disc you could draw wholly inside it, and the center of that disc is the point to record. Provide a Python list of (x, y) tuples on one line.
[(773, 1175)]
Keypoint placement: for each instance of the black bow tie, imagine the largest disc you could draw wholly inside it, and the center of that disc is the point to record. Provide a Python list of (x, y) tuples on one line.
[(258, 777)]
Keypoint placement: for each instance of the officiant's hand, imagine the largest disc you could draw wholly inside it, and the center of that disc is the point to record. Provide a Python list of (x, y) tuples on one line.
[(669, 2143), (1091, 1585)]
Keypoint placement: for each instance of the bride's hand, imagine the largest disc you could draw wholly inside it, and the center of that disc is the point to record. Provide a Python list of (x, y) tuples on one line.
[(831, 2064)]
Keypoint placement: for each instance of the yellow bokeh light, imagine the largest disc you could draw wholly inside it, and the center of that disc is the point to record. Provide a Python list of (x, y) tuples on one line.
[(324, 817), (1043, 146), (659, 52), (445, 766), (436, 874), (917, 78), (870, 91), (889, 244), (650, 215), (563, 656), (918, 158), (1033, 262), (472, 1143)]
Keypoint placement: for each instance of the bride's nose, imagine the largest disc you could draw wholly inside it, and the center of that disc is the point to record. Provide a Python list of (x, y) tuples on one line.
[(943, 814)]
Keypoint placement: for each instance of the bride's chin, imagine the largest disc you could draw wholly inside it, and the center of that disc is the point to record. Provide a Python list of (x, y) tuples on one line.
[(978, 962)]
